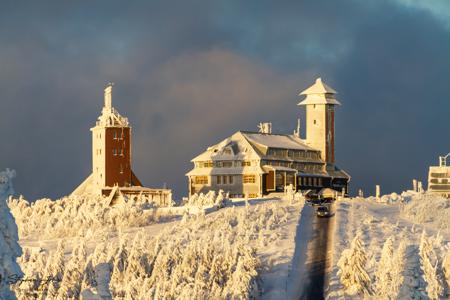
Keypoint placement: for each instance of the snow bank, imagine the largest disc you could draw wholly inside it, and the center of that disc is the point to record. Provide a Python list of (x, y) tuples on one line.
[(428, 209)]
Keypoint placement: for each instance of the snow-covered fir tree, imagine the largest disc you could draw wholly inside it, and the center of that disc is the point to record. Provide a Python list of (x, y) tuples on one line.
[(73, 274), (9, 248), (429, 264), (446, 268), (352, 272), (384, 270)]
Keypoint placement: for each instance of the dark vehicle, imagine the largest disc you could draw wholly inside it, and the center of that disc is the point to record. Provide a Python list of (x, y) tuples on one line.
[(315, 202), (312, 196), (323, 211)]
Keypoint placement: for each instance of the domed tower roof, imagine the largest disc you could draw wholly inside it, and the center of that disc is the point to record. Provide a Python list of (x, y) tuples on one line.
[(319, 93)]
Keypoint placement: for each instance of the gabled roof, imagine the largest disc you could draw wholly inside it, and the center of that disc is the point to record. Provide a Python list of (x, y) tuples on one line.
[(240, 146), (319, 93), (251, 145), (283, 141)]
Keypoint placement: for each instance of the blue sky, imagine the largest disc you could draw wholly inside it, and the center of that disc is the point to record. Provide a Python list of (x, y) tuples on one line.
[(190, 73)]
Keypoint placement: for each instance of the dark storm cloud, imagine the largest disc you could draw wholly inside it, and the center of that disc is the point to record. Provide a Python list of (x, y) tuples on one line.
[(189, 73)]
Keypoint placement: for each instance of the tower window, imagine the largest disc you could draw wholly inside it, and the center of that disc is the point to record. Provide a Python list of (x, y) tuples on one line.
[(315, 122)]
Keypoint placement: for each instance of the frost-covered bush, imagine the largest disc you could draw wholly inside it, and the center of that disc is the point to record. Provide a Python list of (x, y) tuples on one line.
[(9, 248), (209, 199), (85, 216), (427, 208)]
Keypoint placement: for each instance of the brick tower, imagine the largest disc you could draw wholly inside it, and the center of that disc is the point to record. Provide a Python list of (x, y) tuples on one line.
[(111, 147)]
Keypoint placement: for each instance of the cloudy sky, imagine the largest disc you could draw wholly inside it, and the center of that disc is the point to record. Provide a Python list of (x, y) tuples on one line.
[(190, 73)]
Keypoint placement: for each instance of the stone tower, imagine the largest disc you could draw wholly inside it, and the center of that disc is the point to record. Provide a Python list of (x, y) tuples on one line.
[(111, 147), (319, 102)]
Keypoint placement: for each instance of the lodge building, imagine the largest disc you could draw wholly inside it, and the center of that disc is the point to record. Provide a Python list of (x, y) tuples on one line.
[(254, 164)]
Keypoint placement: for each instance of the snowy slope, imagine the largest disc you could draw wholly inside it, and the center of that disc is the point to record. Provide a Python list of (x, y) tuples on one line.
[(410, 272), (254, 241)]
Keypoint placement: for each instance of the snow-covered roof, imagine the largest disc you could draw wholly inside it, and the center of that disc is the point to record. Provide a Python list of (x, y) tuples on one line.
[(240, 149), (245, 145), (225, 171), (319, 93), (283, 141), (278, 168), (337, 173)]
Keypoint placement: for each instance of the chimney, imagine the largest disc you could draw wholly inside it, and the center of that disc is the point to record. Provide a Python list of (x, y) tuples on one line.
[(297, 131), (265, 127)]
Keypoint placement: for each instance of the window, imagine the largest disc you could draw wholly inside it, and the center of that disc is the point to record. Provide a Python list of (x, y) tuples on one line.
[(218, 179), (201, 179), (114, 151), (115, 135), (248, 178), (227, 151), (206, 164), (230, 179), (279, 179), (315, 122), (224, 180), (121, 169), (227, 164), (246, 163)]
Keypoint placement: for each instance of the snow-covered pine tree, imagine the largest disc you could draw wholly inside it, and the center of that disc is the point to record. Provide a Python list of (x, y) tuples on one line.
[(9, 248), (429, 265), (73, 275), (398, 263), (55, 272), (89, 278), (446, 268), (352, 271), (118, 274), (384, 270)]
